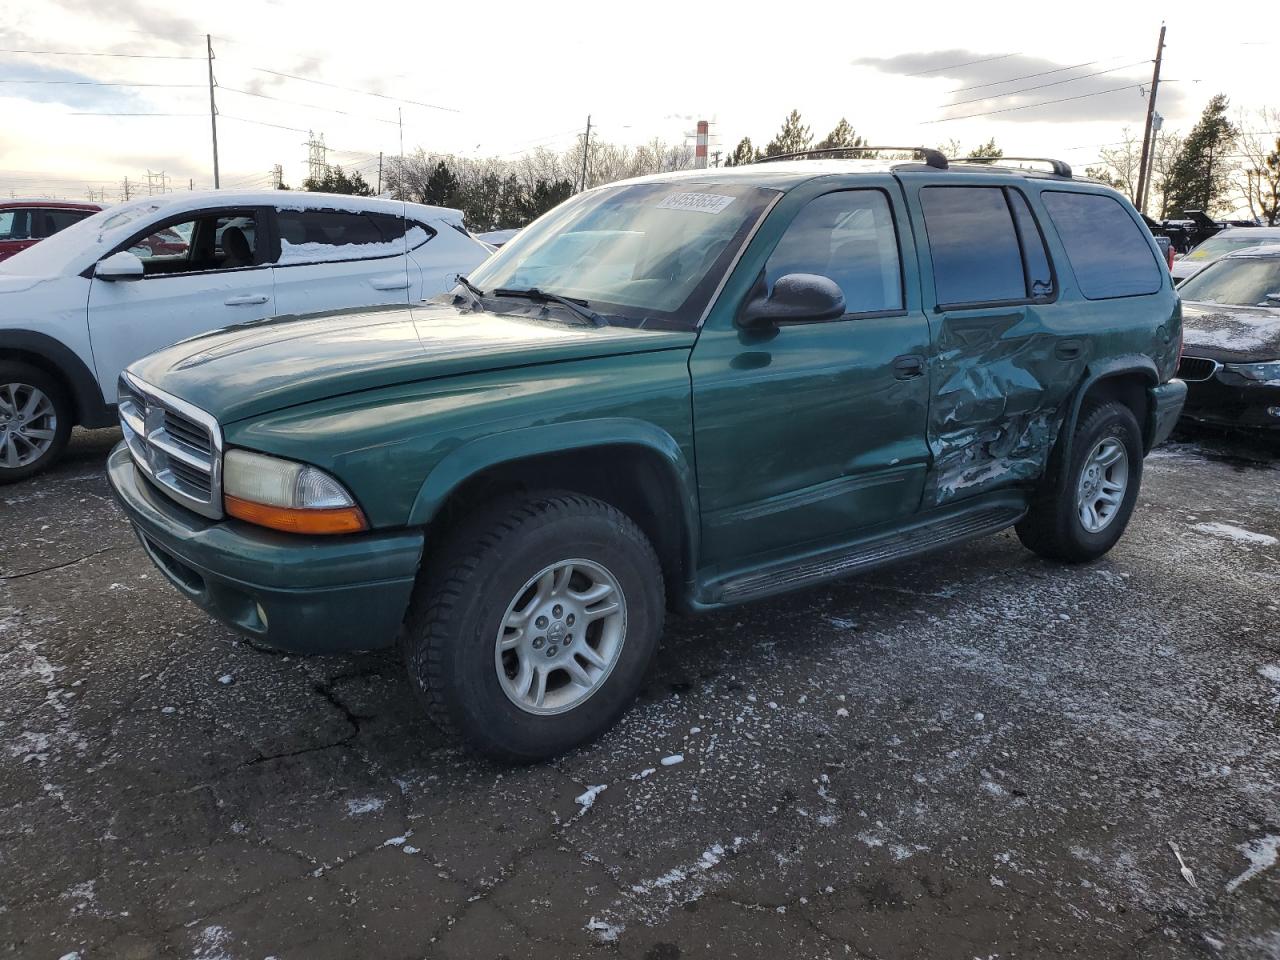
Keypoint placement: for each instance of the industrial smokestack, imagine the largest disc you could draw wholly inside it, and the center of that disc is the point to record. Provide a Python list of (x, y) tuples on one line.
[(700, 150)]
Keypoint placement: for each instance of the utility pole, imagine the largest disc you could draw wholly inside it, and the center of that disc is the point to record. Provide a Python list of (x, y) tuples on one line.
[(715, 158), (586, 148), (378, 192), (213, 111), (400, 166), (1145, 163), (1208, 182), (126, 188)]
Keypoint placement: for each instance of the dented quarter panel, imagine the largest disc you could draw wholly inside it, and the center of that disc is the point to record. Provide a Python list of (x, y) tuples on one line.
[(1009, 376)]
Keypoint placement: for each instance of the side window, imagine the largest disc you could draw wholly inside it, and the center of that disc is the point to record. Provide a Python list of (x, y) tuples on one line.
[(215, 241), (849, 237), (49, 222), (15, 224), (1035, 254), (307, 236), (974, 245), (1109, 253)]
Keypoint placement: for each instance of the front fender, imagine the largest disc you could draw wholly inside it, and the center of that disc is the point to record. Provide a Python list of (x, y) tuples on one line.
[(510, 446)]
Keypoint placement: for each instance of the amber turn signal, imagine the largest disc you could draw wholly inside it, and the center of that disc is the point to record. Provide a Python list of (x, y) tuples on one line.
[(327, 520)]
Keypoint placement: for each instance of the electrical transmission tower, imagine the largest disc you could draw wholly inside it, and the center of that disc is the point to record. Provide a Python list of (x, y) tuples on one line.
[(317, 159), (277, 176), (157, 183)]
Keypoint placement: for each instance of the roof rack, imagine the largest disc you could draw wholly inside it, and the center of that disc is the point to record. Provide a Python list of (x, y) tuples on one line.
[(934, 158), (1059, 167)]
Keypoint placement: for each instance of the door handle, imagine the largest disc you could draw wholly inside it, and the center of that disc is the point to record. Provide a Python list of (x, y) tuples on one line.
[(1068, 350), (248, 299), (382, 283), (908, 367)]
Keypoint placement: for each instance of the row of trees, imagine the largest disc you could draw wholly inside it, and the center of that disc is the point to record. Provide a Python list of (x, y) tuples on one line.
[(1220, 167)]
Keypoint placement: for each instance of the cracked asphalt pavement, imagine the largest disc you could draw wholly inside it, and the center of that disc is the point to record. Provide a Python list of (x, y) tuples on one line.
[(977, 754)]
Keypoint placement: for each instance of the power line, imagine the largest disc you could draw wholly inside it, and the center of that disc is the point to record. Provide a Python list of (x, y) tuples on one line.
[(299, 103), (98, 83), (367, 93), (967, 63), (89, 53), (1042, 103), (114, 113), (1040, 86), (1025, 76)]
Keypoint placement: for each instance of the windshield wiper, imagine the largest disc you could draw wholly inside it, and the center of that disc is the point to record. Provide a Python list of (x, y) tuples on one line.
[(471, 288), (577, 306)]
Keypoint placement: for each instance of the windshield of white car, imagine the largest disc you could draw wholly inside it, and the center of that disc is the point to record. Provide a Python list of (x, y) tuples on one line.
[(1225, 243), (70, 250), (1235, 281), (641, 255)]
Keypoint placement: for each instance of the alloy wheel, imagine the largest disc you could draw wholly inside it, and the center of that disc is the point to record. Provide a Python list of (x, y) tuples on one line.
[(28, 424), (1104, 478)]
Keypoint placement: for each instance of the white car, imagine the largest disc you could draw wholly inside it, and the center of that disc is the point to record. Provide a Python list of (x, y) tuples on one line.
[(75, 309), (1222, 242)]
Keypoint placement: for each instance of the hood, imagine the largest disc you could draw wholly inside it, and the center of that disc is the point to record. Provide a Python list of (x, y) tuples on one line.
[(255, 368), (1184, 268), (1230, 334)]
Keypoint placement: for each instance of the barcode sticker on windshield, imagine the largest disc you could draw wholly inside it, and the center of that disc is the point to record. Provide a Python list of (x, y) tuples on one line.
[(697, 202)]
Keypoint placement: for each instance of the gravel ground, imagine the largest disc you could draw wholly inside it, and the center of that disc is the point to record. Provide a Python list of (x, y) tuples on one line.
[(978, 754)]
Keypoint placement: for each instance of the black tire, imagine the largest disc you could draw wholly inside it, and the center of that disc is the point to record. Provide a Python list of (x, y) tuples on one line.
[(1053, 527), (451, 630), (24, 374)]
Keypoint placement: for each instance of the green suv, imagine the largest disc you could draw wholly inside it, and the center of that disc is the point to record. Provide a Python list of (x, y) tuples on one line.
[(693, 389)]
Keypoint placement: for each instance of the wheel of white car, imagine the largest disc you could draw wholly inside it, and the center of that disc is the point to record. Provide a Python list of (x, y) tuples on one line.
[(532, 631), (35, 420)]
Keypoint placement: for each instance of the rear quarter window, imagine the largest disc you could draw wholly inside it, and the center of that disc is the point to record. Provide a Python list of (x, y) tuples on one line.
[(1108, 251)]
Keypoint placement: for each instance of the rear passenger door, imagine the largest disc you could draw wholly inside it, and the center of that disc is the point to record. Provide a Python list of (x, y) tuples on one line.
[(331, 259), (1004, 358)]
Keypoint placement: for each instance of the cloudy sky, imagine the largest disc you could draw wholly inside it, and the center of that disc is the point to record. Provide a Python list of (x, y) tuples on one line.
[(501, 77)]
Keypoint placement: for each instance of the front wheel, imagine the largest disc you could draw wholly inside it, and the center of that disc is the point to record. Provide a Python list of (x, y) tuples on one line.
[(35, 421), (532, 631), (1082, 517)]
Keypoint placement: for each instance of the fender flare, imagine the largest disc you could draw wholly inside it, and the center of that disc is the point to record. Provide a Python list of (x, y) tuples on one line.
[(483, 453), (91, 409), (1123, 365)]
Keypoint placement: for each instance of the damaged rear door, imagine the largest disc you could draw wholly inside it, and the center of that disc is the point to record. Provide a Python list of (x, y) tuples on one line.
[(1004, 356)]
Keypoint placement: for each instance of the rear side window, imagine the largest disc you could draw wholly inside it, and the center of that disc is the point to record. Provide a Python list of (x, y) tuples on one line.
[(850, 238), (15, 224), (1107, 249), (49, 222), (1039, 273), (974, 245), (309, 235)]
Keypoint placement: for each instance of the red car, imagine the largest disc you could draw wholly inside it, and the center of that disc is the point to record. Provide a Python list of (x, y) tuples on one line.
[(24, 222)]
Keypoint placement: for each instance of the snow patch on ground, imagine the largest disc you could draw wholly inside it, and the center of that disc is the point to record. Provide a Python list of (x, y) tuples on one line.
[(1240, 535), (363, 805), (1262, 854), (211, 943), (588, 798)]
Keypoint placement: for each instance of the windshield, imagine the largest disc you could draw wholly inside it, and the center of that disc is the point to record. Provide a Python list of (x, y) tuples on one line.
[(1225, 243), (648, 254), (1236, 281)]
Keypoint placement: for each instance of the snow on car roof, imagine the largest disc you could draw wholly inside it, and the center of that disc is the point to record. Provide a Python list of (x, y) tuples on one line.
[(181, 200), (1266, 250)]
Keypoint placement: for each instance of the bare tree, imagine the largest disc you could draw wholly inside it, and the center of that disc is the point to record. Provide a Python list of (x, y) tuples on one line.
[(1258, 176)]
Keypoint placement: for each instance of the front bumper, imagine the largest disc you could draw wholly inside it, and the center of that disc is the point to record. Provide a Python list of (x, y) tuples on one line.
[(302, 594), (1165, 407), (1230, 400)]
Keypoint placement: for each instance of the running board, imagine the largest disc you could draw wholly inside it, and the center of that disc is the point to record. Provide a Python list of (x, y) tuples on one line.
[(815, 568)]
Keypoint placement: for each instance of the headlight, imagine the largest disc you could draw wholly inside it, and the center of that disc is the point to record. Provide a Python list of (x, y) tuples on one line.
[(1267, 374), (285, 495)]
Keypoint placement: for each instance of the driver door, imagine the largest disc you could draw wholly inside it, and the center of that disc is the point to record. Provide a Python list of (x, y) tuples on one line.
[(811, 431), (192, 283)]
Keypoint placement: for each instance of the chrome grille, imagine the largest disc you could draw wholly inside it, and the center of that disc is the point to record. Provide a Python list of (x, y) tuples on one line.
[(177, 446), (1194, 369)]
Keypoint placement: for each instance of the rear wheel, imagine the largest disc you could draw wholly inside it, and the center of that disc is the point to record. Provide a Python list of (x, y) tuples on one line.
[(35, 420), (1081, 517), (533, 630)]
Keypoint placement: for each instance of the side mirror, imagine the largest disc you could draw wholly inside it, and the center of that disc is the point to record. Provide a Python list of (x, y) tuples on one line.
[(119, 266), (796, 298)]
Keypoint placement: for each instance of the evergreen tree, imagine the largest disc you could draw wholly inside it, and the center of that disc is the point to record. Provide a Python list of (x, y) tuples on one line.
[(335, 180), (987, 151), (842, 136), (794, 137), (743, 153), (1200, 177), (442, 187), (547, 194)]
